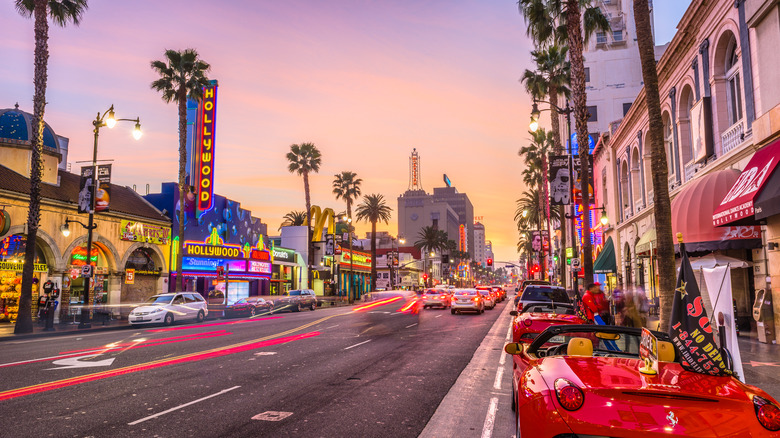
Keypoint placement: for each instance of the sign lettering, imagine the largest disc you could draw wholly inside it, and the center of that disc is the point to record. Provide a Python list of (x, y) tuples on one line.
[(140, 232), (208, 116)]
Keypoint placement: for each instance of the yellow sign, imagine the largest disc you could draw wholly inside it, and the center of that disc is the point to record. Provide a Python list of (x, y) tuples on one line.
[(139, 232), (129, 276), (319, 216), (18, 266)]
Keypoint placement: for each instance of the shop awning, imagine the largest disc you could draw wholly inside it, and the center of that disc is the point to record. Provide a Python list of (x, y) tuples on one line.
[(692, 212), (738, 206), (767, 203), (605, 262), (646, 242)]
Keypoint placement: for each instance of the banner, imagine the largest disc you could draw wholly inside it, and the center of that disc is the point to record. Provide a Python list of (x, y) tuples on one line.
[(718, 281), (577, 180), (540, 240), (690, 327), (329, 244), (103, 197), (560, 183), (85, 189)]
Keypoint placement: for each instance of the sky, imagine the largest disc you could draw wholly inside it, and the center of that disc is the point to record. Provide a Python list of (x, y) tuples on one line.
[(365, 81)]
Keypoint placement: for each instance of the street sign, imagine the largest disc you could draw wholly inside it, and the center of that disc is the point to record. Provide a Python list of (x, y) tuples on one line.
[(86, 271), (575, 265)]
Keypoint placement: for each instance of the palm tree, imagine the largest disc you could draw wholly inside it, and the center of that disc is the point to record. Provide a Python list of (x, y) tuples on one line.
[(61, 13), (182, 77), (662, 210), (305, 159), (549, 80), (431, 239), (373, 209), (346, 186), (295, 218)]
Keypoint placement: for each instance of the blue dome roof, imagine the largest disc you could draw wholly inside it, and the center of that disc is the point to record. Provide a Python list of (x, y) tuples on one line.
[(15, 126)]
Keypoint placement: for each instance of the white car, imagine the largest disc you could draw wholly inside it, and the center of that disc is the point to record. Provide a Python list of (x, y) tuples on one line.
[(170, 307)]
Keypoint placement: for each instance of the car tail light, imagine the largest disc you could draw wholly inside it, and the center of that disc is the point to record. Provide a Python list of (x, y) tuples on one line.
[(443, 297), (527, 322), (768, 414), (569, 395), (475, 299)]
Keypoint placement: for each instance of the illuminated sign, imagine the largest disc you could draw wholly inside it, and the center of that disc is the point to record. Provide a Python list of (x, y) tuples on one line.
[(260, 254), (283, 255), (139, 232), (205, 135), (203, 250), (259, 267), (79, 256), (447, 181), (462, 238), (358, 259), (129, 276), (18, 266)]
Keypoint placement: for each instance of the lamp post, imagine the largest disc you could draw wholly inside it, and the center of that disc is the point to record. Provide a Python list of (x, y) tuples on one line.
[(108, 119), (351, 282)]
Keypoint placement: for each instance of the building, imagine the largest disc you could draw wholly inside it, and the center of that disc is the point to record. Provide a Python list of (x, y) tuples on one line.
[(131, 241), (462, 206), (717, 105), (480, 250)]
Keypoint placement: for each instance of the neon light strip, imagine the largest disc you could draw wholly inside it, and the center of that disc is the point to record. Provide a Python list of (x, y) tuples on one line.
[(376, 304), (213, 324)]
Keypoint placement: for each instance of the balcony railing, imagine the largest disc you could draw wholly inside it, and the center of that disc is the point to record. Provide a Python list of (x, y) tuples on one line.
[(733, 137), (691, 168)]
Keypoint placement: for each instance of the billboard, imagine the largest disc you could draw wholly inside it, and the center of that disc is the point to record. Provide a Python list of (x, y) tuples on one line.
[(87, 190)]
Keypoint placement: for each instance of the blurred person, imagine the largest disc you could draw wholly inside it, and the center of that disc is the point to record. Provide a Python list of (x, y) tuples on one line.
[(595, 303)]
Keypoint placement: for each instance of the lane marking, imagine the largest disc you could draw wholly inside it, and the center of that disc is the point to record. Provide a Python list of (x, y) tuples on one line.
[(502, 360), (358, 344), (490, 418), (265, 353), (509, 332), (411, 325), (182, 406), (188, 327), (439, 316), (272, 416), (333, 326), (74, 362), (499, 376)]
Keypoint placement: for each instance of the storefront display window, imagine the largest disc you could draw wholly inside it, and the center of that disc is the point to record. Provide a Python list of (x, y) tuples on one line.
[(12, 250)]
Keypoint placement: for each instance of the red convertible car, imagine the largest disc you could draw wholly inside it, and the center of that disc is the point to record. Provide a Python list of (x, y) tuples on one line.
[(584, 380), (535, 317)]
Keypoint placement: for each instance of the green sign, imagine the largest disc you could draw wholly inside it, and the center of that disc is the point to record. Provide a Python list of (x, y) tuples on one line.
[(283, 255)]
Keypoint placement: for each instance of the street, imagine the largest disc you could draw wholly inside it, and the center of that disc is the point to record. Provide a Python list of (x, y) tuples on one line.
[(331, 372)]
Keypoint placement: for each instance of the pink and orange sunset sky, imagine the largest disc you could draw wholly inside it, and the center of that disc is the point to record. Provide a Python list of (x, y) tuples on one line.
[(365, 81)]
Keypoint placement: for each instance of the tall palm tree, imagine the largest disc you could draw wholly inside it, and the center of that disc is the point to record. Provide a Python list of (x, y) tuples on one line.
[(295, 218), (550, 80), (182, 76), (346, 186), (373, 209), (431, 239), (61, 13), (305, 159), (662, 209)]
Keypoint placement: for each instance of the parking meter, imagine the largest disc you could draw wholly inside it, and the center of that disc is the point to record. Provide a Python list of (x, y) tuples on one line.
[(764, 316)]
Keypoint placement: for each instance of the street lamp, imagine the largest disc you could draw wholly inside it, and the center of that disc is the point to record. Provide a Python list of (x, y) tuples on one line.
[(351, 282), (108, 119)]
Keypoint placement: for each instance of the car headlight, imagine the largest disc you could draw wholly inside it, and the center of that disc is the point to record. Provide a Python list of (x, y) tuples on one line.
[(159, 309)]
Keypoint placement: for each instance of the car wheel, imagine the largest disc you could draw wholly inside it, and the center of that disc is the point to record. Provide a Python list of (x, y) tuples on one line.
[(313, 306), (201, 316), (482, 310), (168, 319), (252, 311), (452, 311)]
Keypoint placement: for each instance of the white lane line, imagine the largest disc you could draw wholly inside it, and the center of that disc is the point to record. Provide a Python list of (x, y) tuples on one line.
[(333, 326), (499, 376), (182, 406), (358, 344), (509, 332), (411, 325), (490, 418), (439, 316), (502, 361)]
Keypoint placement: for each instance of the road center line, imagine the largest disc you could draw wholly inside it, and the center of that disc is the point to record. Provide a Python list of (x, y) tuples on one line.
[(490, 418), (181, 406), (358, 344), (439, 316), (509, 333), (411, 325)]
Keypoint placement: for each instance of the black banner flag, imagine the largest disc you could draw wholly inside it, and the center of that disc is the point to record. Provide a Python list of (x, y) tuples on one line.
[(690, 328)]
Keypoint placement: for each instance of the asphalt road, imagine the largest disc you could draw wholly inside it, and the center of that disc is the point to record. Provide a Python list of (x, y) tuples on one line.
[(332, 372)]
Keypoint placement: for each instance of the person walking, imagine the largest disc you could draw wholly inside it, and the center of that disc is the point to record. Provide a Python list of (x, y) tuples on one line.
[(596, 304)]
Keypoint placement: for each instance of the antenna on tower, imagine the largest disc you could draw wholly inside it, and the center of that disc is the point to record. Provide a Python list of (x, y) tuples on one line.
[(415, 181)]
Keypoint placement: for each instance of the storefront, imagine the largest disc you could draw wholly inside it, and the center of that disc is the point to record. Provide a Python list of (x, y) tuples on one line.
[(12, 249), (357, 267), (144, 261), (285, 270)]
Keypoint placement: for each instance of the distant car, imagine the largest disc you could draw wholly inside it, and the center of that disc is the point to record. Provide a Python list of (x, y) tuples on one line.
[(467, 300), (296, 300), (536, 317), (249, 306), (436, 298), (541, 293), (525, 283), (585, 381), (501, 292), (170, 307), (490, 297)]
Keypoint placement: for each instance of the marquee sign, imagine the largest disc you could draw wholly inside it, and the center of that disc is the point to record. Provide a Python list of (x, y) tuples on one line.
[(205, 135), (358, 259), (204, 250)]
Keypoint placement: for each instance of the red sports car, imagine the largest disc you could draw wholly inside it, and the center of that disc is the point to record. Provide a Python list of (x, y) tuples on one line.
[(584, 380), (535, 317)]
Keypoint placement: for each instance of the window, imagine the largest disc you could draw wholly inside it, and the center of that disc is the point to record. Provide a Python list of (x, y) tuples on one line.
[(668, 139), (587, 74), (733, 90), (593, 114), (626, 107), (601, 38), (617, 35)]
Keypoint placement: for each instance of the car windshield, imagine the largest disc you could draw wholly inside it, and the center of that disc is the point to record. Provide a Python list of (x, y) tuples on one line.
[(294, 293), (609, 341), (560, 309), (540, 293), (159, 300)]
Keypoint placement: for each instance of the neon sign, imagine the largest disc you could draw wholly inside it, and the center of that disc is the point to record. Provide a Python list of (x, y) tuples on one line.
[(208, 116)]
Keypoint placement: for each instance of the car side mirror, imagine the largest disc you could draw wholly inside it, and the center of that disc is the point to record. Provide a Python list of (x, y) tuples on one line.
[(513, 313), (513, 348)]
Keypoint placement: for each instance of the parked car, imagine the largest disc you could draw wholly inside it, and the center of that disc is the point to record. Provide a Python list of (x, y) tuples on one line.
[(249, 306), (437, 297), (296, 300), (585, 380), (541, 293), (534, 318), (170, 307), (467, 300)]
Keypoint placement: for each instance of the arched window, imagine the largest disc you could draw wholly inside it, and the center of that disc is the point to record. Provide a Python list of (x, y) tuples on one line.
[(669, 143), (733, 89)]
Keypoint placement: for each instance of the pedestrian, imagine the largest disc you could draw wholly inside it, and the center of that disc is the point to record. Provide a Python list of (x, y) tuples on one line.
[(596, 303)]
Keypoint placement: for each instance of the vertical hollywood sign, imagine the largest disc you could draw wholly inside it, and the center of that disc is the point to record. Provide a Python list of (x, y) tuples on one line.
[(208, 115)]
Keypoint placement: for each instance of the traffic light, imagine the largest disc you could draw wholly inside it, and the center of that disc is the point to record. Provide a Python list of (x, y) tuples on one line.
[(425, 277), (490, 262)]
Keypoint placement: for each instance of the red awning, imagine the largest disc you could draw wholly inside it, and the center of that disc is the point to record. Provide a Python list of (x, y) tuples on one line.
[(737, 206), (692, 211)]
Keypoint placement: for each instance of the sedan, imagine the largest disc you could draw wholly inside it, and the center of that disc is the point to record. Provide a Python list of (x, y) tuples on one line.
[(489, 296), (467, 300), (436, 298), (250, 306), (589, 380), (170, 307)]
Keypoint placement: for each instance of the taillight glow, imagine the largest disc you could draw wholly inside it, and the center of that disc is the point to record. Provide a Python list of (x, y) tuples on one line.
[(569, 395), (527, 322), (475, 299), (443, 297), (767, 413)]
